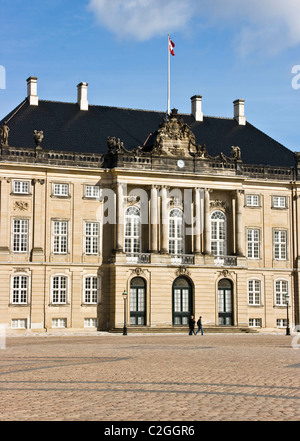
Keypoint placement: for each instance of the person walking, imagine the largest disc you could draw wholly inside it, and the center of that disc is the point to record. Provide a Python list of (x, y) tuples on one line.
[(192, 325), (199, 324)]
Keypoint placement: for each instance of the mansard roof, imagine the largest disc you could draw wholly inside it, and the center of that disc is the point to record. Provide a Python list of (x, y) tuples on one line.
[(67, 128)]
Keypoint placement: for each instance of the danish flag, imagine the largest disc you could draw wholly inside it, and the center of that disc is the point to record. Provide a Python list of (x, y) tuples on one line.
[(171, 46)]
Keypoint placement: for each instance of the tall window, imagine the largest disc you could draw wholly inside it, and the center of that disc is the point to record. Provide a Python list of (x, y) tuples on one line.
[(254, 292), (253, 243), (176, 232), (281, 290), (91, 238), (59, 289), (218, 233), (19, 290), (132, 230), (280, 245), (20, 235), (60, 237), (90, 289)]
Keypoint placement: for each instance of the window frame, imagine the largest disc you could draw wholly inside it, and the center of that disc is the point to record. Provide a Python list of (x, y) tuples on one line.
[(277, 245), (93, 188), (60, 186), (88, 320), (132, 241), (280, 293), (92, 290), (176, 244), (218, 240), (20, 242), (278, 205), (19, 289), (60, 236), (22, 183), (59, 288), (19, 321), (249, 203), (251, 252), (94, 239), (256, 322), (59, 320), (254, 292)]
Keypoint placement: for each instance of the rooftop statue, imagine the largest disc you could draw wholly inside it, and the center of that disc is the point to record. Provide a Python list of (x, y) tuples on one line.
[(4, 134)]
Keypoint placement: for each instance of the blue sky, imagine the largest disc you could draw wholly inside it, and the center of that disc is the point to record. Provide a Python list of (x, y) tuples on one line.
[(120, 48)]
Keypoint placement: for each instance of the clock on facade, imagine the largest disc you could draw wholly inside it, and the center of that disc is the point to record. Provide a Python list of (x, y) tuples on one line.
[(180, 163)]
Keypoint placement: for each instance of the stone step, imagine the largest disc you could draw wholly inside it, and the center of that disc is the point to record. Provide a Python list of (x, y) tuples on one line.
[(182, 330)]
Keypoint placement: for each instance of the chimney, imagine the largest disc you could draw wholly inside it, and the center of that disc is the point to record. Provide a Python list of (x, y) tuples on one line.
[(197, 113), (239, 112), (82, 96), (32, 91)]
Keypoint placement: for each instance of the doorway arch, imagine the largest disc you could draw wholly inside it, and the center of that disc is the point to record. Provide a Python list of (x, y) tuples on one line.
[(225, 302), (137, 302), (182, 300)]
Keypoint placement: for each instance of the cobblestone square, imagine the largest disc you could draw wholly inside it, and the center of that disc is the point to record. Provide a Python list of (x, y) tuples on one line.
[(111, 377)]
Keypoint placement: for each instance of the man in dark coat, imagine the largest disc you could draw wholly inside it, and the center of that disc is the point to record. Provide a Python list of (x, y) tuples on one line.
[(191, 325)]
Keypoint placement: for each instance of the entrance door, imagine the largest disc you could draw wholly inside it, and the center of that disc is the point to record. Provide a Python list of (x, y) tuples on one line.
[(182, 301), (225, 303), (137, 302)]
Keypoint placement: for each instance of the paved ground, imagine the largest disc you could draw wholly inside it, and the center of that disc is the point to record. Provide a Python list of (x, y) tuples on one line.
[(150, 378)]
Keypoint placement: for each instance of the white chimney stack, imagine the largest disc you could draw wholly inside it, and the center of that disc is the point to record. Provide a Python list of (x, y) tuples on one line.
[(82, 96), (197, 113), (32, 91), (239, 112)]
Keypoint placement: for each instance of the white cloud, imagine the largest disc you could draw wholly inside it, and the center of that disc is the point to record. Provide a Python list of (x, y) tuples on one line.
[(142, 19), (267, 25)]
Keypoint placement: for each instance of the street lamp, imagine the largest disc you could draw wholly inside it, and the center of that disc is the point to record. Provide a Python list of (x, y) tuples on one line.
[(287, 314), (125, 311)]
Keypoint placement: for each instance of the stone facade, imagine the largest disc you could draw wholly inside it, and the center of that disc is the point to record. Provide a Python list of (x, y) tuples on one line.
[(181, 231)]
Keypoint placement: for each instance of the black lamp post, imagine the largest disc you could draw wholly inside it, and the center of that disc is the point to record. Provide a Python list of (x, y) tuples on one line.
[(125, 311), (287, 315)]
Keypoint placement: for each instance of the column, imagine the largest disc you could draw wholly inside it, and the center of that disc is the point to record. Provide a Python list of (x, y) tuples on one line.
[(120, 217), (38, 220), (154, 218), (164, 219), (5, 189), (206, 244), (239, 222), (197, 231)]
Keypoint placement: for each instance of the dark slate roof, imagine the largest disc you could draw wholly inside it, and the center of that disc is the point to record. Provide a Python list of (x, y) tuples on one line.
[(66, 128)]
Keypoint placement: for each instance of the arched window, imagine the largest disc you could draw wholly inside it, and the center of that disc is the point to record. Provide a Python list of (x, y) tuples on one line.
[(132, 230), (218, 233), (176, 232)]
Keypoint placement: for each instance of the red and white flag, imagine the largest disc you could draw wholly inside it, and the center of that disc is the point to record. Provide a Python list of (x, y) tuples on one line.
[(171, 46)]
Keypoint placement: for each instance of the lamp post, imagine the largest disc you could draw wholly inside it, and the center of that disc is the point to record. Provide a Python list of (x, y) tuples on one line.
[(287, 315), (125, 311)]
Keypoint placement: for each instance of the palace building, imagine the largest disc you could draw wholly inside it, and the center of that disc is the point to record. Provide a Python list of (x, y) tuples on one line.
[(189, 214)]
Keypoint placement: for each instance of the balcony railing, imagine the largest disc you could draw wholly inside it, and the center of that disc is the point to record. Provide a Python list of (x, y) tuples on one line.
[(182, 259), (138, 258), (225, 260)]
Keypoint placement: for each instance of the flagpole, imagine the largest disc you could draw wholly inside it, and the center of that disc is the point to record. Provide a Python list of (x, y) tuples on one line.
[(169, 75)]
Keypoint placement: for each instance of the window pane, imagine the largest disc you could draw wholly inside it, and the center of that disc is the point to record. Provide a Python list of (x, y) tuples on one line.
[(90, 289), (132, 230), (176, 232)]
